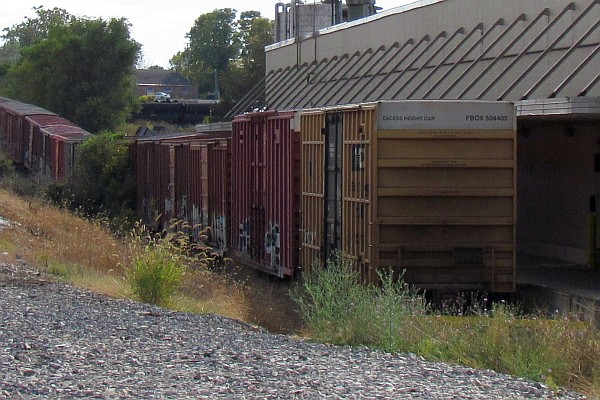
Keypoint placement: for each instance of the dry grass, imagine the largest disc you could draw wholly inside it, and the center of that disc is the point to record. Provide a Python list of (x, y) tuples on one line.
[(268, 302), (80, 251), (42, 234), (86, 254)]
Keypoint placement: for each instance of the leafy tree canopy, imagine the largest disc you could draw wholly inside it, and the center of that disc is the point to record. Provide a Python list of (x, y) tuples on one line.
[(35, 29), (104, 161), (31, 30), (232, 49), (82, 70)]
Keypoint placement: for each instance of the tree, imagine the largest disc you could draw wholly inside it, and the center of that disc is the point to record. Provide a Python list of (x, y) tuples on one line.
[(30, 31), (233, 49), (83, 71), (33, 30), (212, 46), (249, 69), (103, 179)]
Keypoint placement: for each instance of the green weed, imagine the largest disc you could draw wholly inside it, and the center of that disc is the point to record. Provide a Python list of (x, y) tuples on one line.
[(161, 260), (560, 352)]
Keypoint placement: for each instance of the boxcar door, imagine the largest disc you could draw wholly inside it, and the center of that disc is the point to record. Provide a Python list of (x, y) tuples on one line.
[(333, 184)]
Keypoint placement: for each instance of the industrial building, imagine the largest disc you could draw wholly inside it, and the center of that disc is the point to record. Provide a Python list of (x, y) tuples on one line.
[(540, 54)]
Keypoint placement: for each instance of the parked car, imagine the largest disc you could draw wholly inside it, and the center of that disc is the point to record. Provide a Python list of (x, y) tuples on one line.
[(162, 97)]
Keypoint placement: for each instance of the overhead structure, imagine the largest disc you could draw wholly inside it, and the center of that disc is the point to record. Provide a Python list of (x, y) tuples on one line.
[(299, 19), (442, 49)]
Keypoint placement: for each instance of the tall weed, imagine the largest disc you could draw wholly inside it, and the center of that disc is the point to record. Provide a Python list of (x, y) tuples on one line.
[(397, 306), (561, 352), (340, 309), (334, 304), (159, 263)]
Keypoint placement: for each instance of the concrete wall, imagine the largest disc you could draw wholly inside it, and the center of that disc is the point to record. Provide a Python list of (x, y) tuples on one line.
[(445, 50), (449, 15)]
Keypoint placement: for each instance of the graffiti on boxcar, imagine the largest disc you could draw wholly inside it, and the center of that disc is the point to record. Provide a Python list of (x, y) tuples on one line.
[(220, 233), (183, 208), (244, 238), (168, 208), (196, 221), (309, 237), (273, 244)]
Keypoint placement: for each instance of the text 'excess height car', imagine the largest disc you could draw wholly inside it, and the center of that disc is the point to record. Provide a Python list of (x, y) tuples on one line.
[(162, 97)]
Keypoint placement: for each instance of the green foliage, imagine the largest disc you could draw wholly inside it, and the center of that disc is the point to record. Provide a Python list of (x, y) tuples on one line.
[(9, 54), (255, 34), (82, 70), (146, 98), (62, 270), (160, 262), (396, 307), (233, 48), (155, 275), (30, 31), (33, 30), (6, 165), (340, 309), (392, 316), (550, 351), (334, 303), (213, 40), (103, 179)]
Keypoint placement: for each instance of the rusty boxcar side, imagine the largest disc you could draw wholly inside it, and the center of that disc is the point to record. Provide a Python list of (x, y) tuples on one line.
[(150, 167), (185, 178), (34, 138), (266, 191), (61, 150), (13, 135), (198, 181)]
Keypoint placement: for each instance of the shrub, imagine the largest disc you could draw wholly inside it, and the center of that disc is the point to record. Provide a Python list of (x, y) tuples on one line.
[(103, 181), (397, 306), (158, 265), (146, 98), (160, 261), (155, 275), (394, 317), (334, 303), (340, 309)]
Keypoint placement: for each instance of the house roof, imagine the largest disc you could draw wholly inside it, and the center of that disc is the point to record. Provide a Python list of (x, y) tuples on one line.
[(162, 77)]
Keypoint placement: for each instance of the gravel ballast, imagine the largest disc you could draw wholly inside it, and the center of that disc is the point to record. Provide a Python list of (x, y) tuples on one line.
[(58, 341)]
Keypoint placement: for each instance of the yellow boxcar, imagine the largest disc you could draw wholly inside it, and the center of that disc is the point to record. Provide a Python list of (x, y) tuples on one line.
[(425, 188)]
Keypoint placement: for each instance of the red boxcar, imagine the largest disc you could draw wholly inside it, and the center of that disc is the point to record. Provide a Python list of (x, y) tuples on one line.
[(13, 134), (151, 165), (61, 142), (185, 177), (147, 166), (35, 155), (266, 191), (196, 185)]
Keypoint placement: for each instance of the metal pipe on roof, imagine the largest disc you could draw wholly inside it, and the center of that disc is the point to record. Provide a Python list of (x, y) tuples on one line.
[(358, 9)]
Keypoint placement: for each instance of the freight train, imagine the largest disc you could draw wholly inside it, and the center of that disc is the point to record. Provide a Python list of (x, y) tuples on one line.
[(39, 140), (426, 189)]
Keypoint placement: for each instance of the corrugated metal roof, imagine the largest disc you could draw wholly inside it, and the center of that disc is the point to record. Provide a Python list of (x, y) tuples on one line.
[(18, 108), (46, 119), (67, 132)]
